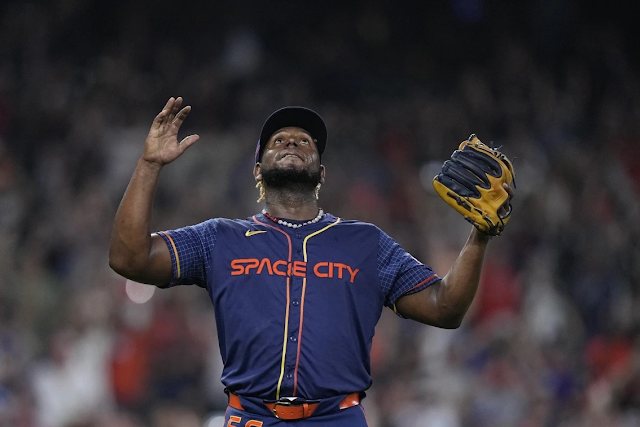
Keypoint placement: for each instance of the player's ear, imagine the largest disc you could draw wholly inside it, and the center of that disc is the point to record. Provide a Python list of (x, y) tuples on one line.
[(257, 172), (322, 172)]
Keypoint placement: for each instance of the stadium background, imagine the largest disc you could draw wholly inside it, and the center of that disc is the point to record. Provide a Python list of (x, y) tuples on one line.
[(552, 339)]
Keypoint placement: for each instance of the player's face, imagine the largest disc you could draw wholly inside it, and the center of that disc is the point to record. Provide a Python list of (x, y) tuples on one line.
[(291, 147), (290, 158)]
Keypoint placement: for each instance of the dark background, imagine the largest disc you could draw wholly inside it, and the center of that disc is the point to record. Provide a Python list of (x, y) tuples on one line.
[(552, 338)]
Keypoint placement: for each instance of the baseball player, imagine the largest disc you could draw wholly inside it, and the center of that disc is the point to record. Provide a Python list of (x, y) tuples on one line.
[(297, 291)]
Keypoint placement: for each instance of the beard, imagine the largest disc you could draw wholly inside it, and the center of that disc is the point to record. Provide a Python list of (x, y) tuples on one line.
[(291, 178)]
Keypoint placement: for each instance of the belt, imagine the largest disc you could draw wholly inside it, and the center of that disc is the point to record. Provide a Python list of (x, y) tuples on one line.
[(290, 409)]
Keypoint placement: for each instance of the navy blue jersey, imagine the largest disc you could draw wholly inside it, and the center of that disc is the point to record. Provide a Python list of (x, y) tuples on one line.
[(295, 309)]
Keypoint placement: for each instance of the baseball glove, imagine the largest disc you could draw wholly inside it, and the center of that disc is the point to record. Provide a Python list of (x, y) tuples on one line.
[(471, 182)]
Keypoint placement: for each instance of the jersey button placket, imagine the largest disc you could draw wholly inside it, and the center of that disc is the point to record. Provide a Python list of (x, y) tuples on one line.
[(292, 350), (294, 319), (298, 246)]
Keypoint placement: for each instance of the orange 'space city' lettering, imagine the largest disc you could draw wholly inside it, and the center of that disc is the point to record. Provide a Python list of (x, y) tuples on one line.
[(323, 269)]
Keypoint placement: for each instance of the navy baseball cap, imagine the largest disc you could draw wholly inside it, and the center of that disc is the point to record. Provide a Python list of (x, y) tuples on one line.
[(300, 117)]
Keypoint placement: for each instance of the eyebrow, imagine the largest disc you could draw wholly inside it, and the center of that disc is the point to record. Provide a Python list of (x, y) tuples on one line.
[(286, 132)]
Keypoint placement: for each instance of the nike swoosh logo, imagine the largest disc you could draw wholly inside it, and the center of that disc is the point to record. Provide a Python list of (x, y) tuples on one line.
[(250, 233)]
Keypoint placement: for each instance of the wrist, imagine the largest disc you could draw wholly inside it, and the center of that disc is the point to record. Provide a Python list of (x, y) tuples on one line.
[(149, 165), (479, 237)]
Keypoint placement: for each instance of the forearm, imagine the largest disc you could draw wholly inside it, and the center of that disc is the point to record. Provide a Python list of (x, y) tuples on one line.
[(445, 303), (131, 235), (458, 287)]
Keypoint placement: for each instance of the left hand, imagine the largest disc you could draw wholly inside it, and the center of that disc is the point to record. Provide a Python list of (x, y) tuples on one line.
[(477, 182)]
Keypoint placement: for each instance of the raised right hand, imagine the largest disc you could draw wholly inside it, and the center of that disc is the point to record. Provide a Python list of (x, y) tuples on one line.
[(162, 146)]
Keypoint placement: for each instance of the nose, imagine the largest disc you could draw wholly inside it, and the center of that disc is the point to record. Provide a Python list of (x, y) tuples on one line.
[(292, 141)]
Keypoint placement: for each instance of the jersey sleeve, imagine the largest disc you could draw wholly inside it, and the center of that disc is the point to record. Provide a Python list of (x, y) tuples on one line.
[(399, 272), (190, 252)]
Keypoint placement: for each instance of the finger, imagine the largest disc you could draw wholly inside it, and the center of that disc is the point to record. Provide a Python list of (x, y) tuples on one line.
[(179, 119), (509, 190), (169, 104), (189, 141), (176, 106), (161, 118)]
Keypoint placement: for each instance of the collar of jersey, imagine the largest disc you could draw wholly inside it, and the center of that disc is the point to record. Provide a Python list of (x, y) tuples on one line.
[(326, 218)]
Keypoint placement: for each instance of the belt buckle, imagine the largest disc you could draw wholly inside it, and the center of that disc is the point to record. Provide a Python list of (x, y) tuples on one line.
[(285, 401), (293, 401)]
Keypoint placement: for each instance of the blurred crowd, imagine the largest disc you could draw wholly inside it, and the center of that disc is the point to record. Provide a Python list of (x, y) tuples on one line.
[(552, 338)]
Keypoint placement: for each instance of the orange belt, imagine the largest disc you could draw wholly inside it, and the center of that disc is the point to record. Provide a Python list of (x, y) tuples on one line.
[(290, 410)]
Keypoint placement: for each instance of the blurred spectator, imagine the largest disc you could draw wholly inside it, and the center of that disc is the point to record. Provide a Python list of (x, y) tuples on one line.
[(552, 338)]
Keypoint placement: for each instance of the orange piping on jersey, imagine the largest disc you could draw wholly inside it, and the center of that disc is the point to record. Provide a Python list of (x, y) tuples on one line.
[(395, 309), (422, 283), (175, 251), (286, 316), (304, 288)]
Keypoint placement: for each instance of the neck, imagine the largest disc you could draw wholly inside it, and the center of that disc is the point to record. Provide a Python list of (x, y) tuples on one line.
[(297, 206)]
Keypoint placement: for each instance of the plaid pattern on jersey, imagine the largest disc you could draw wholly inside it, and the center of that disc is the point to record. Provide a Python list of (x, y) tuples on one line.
[(191, 260), (399, 272)]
